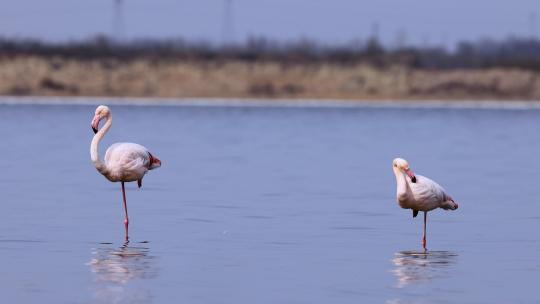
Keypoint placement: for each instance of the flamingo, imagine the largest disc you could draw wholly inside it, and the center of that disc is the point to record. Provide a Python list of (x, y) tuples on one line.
[(419, 193), (124, 162)]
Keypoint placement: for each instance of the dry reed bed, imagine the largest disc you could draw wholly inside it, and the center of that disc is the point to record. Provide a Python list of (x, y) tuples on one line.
[(45, 76)]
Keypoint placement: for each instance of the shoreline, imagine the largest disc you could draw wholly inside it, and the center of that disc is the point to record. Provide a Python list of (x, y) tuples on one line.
[(269, 103)]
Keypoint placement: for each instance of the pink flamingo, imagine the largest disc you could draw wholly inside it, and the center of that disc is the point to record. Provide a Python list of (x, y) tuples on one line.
[(419, 193), (124, 162)]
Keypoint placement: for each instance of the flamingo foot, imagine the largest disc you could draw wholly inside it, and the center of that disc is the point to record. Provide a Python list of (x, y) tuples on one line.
[(424, 243)]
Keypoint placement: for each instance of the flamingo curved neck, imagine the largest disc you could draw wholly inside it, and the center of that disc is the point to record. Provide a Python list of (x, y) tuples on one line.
[(94, 153), (402, 186)]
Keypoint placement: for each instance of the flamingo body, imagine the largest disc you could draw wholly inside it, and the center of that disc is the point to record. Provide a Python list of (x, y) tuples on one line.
[(127, 162), (425, 195)]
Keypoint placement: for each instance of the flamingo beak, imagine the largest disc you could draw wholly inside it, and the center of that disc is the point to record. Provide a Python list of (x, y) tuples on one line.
[(95, 124), (410, 174)]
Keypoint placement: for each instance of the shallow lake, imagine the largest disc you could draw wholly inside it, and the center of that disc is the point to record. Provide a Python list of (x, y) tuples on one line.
[(270, 205)]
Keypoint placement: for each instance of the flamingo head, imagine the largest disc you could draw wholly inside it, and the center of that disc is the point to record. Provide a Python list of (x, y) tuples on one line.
[(101, 112), (403, 166)]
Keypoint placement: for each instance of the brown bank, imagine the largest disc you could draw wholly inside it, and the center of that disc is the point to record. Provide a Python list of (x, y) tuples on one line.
[(33, 75)]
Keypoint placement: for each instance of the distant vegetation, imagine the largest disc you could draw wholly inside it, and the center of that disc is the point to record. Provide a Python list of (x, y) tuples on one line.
[(260, 68), (510, 53)]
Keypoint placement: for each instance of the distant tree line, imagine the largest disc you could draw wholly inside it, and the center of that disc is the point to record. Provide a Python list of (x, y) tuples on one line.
[(513, 52)]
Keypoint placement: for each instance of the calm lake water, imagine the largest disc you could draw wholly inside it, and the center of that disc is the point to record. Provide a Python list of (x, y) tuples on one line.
[(270, 205)]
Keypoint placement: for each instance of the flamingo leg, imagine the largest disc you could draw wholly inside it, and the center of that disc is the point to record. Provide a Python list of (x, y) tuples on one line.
[(126, 219), (424, 238)]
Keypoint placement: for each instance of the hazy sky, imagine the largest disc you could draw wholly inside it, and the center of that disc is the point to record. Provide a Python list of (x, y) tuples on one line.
[(329, 21)]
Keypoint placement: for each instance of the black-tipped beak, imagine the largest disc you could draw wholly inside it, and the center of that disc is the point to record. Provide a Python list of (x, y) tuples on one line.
[(411, 175), (95, 124)]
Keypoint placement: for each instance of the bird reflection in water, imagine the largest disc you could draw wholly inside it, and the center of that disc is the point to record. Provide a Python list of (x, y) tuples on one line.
[(418, 267), (117, 271)]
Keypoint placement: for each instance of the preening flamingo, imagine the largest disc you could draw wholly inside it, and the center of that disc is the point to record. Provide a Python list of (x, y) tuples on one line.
[(419, 193), (124, 162)]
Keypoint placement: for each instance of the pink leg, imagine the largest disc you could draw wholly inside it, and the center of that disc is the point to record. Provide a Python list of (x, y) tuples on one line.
[(126, 219), (424, 238)]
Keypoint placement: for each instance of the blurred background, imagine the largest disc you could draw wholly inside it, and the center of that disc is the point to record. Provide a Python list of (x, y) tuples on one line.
[(387, 49)]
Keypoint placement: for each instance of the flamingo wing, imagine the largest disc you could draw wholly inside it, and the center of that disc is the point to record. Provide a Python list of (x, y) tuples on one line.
[(427, 193), (128, 161)]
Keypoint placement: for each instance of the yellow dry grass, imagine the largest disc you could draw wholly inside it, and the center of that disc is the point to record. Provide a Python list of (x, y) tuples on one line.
[(45, 76)]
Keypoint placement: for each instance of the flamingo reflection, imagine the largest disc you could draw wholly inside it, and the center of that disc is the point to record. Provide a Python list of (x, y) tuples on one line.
[(118, 270), (417, 267)]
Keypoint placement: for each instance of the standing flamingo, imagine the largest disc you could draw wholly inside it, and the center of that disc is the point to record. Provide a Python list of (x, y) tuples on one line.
[(419, 193), (124, 162)]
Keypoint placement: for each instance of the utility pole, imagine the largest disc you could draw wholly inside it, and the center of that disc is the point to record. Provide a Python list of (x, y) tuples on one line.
[(401, 39), (118, 21), (227, 29), (375, 30), (533, 25)]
